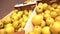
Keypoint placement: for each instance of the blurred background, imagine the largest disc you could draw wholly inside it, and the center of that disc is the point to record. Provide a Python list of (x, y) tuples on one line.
[(6, 6)]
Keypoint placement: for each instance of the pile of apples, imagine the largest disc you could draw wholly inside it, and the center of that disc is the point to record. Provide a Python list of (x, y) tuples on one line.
[(47, 19), (15, 22)]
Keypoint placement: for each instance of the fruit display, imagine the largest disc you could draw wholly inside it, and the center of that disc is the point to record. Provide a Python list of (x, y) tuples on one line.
[(14, 22), (47, 19)]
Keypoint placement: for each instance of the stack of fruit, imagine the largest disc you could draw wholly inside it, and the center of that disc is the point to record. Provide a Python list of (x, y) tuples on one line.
[(15, 22), (47, 20)]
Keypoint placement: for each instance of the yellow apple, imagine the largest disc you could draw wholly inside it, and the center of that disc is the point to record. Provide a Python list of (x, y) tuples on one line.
[(20, 29), (53, 14), (15, 18), (51, 9), (37, 29), (58, 7), (57, 18), (20, 20), (54, 5), (25, 18), (36, 20), (39, 9), (26, 12), (57, 11), (2, 31), (55, 28), (43, 23), (49, 21), (3, 20), (15, 10), (47, 15), (19, 14), (23, 24), (46, 30), (31, 32), (14, 14), (47, 12), (15, 24), (45, 6), (9, 30), (8, 25), (40, 4), (6, 20)]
